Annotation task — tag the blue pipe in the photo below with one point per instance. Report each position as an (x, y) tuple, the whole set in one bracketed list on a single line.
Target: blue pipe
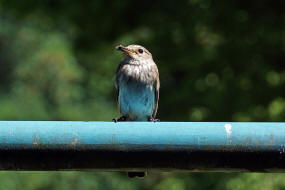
[(189, 146)]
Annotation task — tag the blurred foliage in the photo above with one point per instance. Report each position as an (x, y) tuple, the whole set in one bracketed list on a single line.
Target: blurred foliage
[(218, 61)]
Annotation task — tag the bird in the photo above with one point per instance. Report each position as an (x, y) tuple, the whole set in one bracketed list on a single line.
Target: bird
[(137, 87)]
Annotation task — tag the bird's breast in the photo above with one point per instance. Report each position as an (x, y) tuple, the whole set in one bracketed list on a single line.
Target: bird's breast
[(135, 83), (142, 73)]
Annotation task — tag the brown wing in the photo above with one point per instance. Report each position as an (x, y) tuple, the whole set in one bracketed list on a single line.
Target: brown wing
[(117, 81), (156, 93)]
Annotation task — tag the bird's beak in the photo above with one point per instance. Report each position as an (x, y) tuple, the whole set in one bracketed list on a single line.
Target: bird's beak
[(126, 50)]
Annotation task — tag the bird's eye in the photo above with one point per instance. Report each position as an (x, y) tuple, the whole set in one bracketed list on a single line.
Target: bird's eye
[(140, 50)]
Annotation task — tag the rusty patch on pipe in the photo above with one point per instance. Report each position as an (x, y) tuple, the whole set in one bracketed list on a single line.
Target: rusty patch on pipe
[(74, 142)]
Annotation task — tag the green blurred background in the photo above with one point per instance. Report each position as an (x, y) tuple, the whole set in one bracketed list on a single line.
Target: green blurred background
[(218, 61)]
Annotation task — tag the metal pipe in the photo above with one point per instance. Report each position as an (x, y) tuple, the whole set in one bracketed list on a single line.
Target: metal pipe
[(163, 146)]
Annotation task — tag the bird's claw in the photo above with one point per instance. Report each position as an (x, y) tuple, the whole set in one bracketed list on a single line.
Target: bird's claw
[(122, 118), (153, 120)]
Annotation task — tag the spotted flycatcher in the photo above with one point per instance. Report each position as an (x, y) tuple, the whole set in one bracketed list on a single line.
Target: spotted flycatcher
[(137, 85)]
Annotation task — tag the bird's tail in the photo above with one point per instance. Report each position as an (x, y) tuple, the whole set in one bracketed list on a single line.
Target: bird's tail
[(137, 174)]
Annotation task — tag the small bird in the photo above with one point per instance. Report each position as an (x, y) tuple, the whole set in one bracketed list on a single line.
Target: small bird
[(137, 85)]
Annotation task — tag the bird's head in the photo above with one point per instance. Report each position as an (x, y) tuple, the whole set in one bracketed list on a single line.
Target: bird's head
[(135, 52)]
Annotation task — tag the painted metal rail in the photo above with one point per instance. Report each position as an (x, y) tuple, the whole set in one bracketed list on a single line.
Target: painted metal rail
[(126, 146)]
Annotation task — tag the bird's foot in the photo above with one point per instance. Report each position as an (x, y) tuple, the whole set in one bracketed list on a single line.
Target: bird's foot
[(153, 120), (122, 118)]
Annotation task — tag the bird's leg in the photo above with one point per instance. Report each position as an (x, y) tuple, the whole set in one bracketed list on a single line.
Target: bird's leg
[(153, 119), (122, 118)]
